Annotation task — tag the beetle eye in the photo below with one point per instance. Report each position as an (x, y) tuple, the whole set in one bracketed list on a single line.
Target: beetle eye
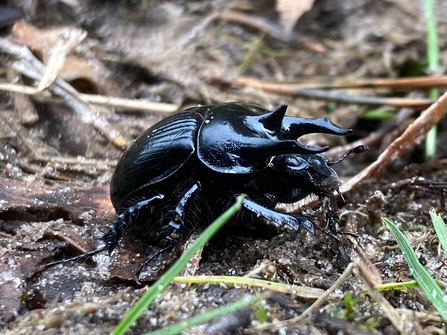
[(296, 163)]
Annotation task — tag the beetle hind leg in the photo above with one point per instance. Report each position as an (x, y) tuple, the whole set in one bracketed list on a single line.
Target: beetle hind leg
[(150, 259), (126, 220), (85, 255), (111, 238)]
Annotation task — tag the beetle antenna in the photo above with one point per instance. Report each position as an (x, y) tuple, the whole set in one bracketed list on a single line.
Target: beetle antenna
[(341, 195), (357, 150)]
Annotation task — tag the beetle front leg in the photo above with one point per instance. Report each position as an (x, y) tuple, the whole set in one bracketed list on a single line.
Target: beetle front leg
[(292, 220)]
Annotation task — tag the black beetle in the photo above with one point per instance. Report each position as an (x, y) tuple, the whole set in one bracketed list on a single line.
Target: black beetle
[(187, 169)]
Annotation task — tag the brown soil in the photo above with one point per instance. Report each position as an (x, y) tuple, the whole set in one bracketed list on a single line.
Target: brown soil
[(56, 160)]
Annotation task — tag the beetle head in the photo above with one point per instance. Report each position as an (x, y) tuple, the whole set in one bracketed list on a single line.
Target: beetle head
[(308, 168), (315, 169)]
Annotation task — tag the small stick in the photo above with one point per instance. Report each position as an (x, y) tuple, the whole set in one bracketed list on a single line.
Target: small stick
[(30, 66), (74, 161), (332, 83), (312, 308), (387, 308), (412, 135), (126, 104), (68, 39)]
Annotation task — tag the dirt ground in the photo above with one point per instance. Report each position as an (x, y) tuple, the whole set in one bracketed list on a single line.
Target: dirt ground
[(58, 151)]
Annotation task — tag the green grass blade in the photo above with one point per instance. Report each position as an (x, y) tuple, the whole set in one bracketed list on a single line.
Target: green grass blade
[(432, 36), (431, 289), (159, 286), (440, 228), (403, 286), (177, 328), (433, 64), (378, 114)]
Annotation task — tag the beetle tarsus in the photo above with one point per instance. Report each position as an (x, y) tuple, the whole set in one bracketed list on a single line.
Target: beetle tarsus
[(149, 259), (115, 232), (333, 235), (85, 255)]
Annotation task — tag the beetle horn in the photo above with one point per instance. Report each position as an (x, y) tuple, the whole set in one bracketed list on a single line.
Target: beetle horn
[(293, 127), (265, 148), (273, 120)]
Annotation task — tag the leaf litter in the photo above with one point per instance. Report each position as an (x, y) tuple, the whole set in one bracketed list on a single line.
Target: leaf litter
[(56, 161)]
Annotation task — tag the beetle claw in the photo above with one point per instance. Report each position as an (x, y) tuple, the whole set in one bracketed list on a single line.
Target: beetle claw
[(306, 223), (149, 259)]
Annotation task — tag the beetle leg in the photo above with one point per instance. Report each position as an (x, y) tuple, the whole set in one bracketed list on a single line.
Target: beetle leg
[(148, 260), (125, 220), (116, 231), (179, 226), (293, 221), (333, 219), (178, 223), (75, 258)]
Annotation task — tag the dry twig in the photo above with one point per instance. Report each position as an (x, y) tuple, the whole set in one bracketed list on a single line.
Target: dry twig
[(312, 308), (30, 66), (68, 39), (413, 135), (271, 29), (387, 308), (331, 83), (124, 104)]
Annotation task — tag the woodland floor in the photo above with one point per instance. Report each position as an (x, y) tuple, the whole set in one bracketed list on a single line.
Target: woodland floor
[(58, 152)]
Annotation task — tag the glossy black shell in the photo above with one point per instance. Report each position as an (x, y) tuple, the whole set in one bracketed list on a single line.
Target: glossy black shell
[(231, 138), (186, 170), (157, 153)]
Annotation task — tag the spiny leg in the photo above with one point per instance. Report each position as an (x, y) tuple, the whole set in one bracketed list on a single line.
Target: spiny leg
[(174, 232), (292, 220), (125, 220), (332, 217), (116, 231)]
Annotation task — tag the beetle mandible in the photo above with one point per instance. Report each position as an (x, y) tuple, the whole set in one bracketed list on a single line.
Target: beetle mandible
[(187, 169)]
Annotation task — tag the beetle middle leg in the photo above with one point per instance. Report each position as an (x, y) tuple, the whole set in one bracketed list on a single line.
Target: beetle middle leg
[(178, 221), (292, 220)]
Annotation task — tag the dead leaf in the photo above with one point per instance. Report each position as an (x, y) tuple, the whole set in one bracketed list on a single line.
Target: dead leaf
[(68, 39), (11, 286), (28, 200), (291, 10), (45, 42)]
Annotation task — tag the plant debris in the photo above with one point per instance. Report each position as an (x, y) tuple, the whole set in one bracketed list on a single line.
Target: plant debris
[(79, 81)]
